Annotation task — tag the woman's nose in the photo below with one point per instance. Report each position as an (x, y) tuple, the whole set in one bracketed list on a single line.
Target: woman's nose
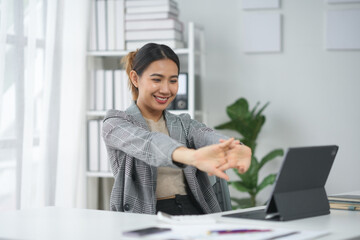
[(164, 88)]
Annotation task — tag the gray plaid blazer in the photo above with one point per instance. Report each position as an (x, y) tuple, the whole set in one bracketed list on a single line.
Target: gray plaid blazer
[(135, 153)]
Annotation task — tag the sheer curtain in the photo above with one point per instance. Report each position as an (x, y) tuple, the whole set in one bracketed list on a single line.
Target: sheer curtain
[(41, 104)]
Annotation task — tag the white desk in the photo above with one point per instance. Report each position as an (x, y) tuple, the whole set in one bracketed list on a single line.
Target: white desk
[(61, 223)]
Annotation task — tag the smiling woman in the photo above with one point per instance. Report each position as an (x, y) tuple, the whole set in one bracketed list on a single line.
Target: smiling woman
[(158, 86), (160, 160)]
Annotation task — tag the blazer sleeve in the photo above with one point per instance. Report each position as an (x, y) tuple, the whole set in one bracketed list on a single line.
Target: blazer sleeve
[(122, 132), (198, 134)]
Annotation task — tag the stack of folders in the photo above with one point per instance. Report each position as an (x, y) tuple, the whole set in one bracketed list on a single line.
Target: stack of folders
[(108, 89), (97, 154), (346, 202), (152, 21), (107, 29)]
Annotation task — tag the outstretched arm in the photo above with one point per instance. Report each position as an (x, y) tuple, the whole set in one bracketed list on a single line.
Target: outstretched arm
[(121, 132), (208, 158)]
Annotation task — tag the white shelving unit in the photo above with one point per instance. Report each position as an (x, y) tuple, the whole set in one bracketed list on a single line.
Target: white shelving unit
[(191, 61)]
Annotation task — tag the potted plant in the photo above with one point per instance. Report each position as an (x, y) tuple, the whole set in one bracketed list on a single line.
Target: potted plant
[(248, 124)]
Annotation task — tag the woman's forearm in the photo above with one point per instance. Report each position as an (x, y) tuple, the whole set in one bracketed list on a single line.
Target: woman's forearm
[(184, 155)]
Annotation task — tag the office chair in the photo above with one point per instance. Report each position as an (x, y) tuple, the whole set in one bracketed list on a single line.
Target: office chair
[(221, 190)]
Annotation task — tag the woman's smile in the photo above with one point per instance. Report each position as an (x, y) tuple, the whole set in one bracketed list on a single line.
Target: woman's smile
[(161, 100)]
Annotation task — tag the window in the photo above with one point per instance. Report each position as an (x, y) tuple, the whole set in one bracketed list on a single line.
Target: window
[(22, 53)]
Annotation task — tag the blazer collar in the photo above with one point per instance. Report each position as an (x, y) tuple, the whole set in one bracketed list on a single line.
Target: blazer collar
[(136, 113)]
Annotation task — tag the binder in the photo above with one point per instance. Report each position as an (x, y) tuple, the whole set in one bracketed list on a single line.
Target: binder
[(92, 30), (109, 88), (120, 25), (111, 13), (118, 85), (91, 90), (93, 146), (127, 97), (101, 25), (100, 90), (104, 161), (181, 100)]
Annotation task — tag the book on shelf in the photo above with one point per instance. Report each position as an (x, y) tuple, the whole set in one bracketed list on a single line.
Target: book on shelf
[(154, 24), (133, 45), (153, 9), (153, 34), (149, 16), (144, 3)]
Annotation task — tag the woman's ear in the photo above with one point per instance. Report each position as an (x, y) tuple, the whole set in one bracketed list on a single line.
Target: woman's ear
[(134, 78)]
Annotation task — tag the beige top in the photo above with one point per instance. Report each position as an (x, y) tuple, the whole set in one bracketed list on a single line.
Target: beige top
[(170, 181)]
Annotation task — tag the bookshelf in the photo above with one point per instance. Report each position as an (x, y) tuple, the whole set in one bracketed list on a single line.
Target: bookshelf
[(191, 61)]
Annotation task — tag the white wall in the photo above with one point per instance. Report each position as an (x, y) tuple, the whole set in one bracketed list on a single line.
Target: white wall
[(313, 93)]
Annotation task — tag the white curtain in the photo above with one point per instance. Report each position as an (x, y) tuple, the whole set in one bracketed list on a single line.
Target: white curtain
[(70, 188), (42, 92)]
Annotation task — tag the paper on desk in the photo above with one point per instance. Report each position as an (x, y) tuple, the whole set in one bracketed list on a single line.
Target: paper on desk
[(199, 232)]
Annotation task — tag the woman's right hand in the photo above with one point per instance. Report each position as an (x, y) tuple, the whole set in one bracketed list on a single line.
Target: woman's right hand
[(207, 159)]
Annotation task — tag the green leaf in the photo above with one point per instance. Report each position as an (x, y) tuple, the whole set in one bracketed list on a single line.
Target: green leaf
[(254, 110), (240, 186), (262, 109), (229, 125), (239, 109), (270, 179), (253, 171), (270, 156)]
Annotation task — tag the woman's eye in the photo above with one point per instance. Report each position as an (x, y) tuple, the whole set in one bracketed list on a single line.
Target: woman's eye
[(174, 81), (156, 80)]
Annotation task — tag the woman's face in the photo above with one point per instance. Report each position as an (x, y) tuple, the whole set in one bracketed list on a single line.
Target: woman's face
[(157, 87)]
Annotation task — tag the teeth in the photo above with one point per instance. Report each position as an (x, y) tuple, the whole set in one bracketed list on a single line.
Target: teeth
[(162, 99)]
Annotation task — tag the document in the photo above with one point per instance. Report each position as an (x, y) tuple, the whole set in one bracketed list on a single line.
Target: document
[(231, 231)]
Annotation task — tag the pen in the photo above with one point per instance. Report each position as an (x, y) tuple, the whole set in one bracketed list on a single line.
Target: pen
[(238, 231)]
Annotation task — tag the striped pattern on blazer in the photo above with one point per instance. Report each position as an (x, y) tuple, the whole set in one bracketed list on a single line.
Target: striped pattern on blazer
[(135, 153)]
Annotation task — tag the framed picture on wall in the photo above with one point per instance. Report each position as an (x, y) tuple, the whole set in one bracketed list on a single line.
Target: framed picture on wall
[(261, 32)]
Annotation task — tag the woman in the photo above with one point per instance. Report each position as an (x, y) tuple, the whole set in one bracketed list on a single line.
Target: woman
[(160, 160)]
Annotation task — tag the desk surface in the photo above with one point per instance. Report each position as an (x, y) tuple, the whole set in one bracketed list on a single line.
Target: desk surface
[(63, 223)]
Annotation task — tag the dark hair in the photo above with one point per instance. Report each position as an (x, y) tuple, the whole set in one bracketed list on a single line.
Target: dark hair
[(140, 59)]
